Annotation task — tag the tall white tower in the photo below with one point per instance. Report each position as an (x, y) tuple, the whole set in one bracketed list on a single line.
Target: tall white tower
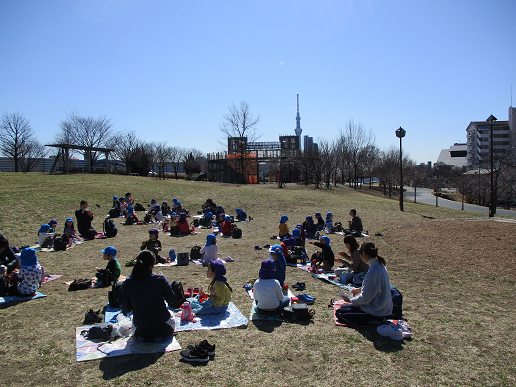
[(298, 124)]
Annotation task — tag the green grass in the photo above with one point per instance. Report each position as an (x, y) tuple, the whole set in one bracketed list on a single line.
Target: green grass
[(449, 304)]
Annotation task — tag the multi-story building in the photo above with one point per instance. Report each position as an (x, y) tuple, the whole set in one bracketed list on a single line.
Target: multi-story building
[(479, 140)]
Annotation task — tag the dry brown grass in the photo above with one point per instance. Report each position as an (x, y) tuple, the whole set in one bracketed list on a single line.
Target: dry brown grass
[(456, 275)]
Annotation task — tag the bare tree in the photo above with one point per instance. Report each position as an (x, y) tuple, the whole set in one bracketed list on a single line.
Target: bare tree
[(328, 159), (125, 148), (356, 139), (35, 152), (240, 127), (176, 158), (162, 158), (371, 158), (87, 132), (17, 139)]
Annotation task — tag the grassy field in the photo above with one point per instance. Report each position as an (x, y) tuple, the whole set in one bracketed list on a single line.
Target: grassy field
[(456, 271)]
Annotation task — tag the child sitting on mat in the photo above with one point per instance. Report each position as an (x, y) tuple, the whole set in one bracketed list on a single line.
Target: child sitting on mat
[(267, 291), (210, 249), (69, 230), (241, 215), (113, 266), (30, 275), (276, 254), (283, 228), (226, 226), (219, 292), (153, 244), (325, 258), (45, 236)]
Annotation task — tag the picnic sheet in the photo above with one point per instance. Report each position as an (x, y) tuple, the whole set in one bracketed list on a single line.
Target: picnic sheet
[(255, 316), (233, 318), (96, 349), (51, 249), (338, 303), (6, 300), (329, 277), (304, 267), (251, 294), (51, 277)]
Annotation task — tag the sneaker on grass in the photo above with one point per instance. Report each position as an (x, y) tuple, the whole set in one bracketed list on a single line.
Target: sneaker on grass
[(390, 330), (196, 354), (205, 346)]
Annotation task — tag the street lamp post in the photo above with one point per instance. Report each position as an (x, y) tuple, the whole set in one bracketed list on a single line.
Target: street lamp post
[(492, 205), (400, 133)]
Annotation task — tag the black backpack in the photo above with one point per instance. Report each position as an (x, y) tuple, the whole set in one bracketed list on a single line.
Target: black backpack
[(139, 207), (237, 233), (80, 284), (177, 287), (114, 295), (110, 229), (195, 253), (397, 303), (147, 219), (196, 222), (61, 242)]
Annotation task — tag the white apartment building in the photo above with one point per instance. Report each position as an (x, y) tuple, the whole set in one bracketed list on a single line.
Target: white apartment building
[(479, 140)]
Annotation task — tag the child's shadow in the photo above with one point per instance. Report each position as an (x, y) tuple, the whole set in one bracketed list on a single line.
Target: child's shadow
[(115, 367)]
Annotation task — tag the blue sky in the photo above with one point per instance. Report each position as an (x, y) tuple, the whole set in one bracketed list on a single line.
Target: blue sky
[(169, 69)]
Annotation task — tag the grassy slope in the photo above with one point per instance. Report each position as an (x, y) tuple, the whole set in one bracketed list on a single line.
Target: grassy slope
[(37, 342)]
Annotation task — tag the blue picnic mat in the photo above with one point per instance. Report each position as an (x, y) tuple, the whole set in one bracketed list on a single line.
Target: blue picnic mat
[(254, 315), (329, 277), (5, 300), (233, 318)]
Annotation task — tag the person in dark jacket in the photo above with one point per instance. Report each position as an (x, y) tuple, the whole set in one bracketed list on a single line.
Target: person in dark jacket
[(325, 259), (7, 257), (84, 219), (144, 293)]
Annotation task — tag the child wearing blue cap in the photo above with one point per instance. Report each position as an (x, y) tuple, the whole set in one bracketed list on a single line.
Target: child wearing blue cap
[(241, 215), (69, 230), (113, 267), (45, 236), (328, 225), (276, 254), (31, 274), (227, 226), (210, 249), (206, 220), (325, 259), (283, 228)]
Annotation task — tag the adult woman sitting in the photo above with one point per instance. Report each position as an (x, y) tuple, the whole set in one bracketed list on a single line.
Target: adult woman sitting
[(357, 265), (267, 291), (84, 219), (144, 293), (373, 302)]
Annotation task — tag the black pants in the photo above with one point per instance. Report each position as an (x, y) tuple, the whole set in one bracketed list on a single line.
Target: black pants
[(353, 315), (162, 330)]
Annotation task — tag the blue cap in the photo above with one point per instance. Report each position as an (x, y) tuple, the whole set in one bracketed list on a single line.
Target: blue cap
[(154, 230), (44, 228), (110, 250), (326, 240), (115, 197), (28, 257), (283, 219), (69, 220)]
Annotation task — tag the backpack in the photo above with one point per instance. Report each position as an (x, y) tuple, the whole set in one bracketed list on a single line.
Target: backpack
[(114, 213), (92, 317), (80, 284), (195, 253), (114, 295), (110, 229), (61, 242), (196, 222), (90, 233), (147, 219), (237, 233), (177, 287), (397, 303), (98, 332), (139, 207)]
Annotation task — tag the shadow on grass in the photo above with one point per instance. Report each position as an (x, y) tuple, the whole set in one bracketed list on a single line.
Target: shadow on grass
[(268, 326), (117, 366), (381, 343)]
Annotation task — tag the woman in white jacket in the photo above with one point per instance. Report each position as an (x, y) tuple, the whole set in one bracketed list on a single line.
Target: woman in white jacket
[(373, 301)]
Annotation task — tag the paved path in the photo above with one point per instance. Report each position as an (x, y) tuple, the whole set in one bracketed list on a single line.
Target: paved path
[(424, 195)]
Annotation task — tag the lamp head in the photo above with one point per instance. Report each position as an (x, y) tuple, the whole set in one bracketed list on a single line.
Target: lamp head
[(491, 119), (400, 133)]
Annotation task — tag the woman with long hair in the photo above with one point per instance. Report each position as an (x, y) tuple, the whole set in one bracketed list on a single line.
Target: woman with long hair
[(144, 293)]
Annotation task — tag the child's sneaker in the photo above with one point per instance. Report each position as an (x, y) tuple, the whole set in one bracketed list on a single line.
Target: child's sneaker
[(390, 330), (209, 348), (196, 354)]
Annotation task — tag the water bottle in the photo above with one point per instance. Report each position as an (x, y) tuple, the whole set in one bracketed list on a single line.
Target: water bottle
[(303, 259), (172, 255)]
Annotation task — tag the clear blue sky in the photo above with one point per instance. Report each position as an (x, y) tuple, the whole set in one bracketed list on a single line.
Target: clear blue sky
[(169, 69)]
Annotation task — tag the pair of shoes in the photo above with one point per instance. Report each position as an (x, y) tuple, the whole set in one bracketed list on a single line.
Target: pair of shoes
[(206, 346), (390, 330), (257, 248), (306, 298), (229, 259), (248, 286), (266, 246), (299, 286), (129, 262), (189, 292), (196, 354), (274, 237)]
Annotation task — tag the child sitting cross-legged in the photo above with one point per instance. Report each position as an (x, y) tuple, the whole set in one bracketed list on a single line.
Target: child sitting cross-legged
[(210, 249), (45, 236), (154, 245), (113, 266), (267, 291), (219, 292), (30, 275)]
